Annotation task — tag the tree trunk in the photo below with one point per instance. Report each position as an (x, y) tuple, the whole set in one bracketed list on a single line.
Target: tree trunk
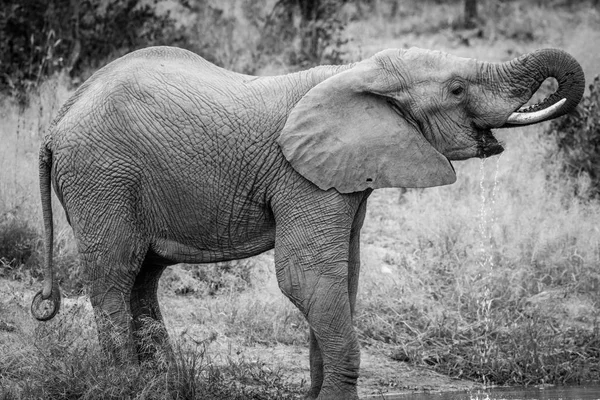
[(470, 14), (309, 40), (75, 50)]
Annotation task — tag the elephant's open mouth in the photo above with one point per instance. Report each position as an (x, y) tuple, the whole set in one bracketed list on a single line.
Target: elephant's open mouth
[(487, 145)]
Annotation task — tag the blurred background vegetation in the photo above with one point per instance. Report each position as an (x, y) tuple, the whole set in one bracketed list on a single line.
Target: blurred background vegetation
[(42, 37), (494, 278)]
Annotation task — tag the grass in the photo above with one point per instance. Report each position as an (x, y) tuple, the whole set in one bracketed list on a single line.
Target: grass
[(65, 362), (257, 314), (493, 279)]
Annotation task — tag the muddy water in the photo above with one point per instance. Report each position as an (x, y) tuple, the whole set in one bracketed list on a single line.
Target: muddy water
[(583, 392)]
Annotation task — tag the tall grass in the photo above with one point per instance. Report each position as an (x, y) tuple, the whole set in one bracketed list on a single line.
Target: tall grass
[(502, 291)]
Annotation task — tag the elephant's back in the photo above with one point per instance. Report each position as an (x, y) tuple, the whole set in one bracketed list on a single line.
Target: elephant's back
[(173, 61), (156, 84), (166, 111), (153, 69)]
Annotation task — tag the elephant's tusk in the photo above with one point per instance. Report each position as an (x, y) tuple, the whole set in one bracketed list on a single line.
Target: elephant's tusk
[(526, 118)]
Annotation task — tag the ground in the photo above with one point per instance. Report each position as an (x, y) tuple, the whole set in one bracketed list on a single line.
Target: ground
[(380, 373)]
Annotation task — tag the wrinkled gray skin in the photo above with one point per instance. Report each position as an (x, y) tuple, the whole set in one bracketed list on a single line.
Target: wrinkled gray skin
[(163, 158)]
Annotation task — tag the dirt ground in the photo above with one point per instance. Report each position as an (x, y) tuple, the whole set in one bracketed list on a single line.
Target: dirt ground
[(379, 373)]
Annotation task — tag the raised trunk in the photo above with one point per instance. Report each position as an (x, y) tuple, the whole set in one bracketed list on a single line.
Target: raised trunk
[(525, 74)]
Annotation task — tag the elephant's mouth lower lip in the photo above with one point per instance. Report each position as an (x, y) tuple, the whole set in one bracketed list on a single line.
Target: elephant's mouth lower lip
[(487, 145)]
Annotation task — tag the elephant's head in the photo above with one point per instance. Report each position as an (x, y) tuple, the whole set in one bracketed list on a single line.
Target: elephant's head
[(397, 118)]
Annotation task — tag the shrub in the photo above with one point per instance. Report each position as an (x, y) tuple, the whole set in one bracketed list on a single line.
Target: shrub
[(17, 242), (317, 37), (21, 253), (40, 38)]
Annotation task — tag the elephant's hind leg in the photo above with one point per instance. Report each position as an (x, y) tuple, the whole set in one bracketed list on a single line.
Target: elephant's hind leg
[(149, 333), (111, 263)]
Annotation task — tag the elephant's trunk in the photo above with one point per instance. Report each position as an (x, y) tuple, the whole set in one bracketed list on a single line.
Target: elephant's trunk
[(525, 74)]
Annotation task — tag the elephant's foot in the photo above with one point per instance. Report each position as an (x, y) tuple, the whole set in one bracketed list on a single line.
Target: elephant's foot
[(335, 395), (335, 389), (312, 394)]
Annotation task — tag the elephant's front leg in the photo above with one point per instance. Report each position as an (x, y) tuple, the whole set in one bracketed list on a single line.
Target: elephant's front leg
[(324, 301), (312, 269), (316, 358)]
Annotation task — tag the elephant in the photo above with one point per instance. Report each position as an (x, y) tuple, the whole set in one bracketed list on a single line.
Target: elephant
[(161, 157)]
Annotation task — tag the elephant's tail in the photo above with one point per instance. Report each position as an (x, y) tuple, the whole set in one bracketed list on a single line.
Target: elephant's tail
[(46, 302)]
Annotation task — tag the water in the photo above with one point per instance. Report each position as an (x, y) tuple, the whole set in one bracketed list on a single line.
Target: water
[(487, 221), (487, 214), (583, 392)]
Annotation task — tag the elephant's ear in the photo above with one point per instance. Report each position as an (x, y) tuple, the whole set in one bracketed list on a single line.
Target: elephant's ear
[(345, 133)]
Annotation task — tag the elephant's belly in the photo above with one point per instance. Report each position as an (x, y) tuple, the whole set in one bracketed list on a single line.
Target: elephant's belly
[(214, 249), (203, 222)]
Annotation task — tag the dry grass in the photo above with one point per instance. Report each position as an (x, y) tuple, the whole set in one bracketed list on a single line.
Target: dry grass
[(62, 360), (491, 279)]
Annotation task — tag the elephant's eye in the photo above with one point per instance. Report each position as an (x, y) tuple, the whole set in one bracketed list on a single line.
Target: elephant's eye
[(457, 90)]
